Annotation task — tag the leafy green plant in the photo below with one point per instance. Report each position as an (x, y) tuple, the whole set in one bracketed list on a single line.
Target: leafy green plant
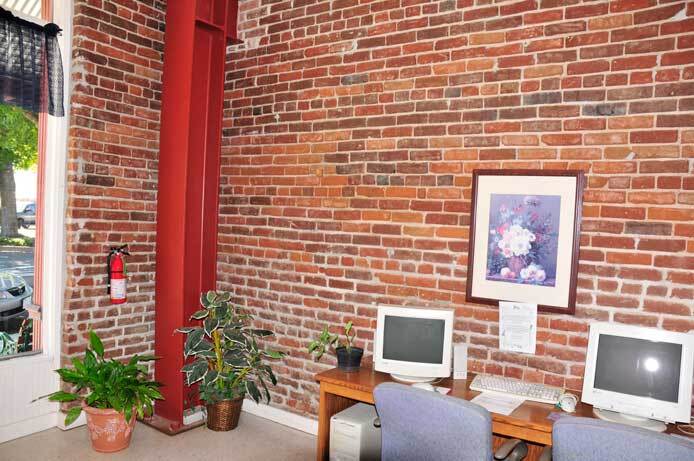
[(26, 336), (227, 361), (19, 134), (18, 150), (326, 340), (8, 346), (123, 387), (17, 241)]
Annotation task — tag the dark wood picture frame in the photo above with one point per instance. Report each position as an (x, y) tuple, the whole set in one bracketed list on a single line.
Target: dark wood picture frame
[(578, 212)]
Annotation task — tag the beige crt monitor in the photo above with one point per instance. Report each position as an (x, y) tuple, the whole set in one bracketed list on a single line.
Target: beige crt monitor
[(639, 376), (414, 345)]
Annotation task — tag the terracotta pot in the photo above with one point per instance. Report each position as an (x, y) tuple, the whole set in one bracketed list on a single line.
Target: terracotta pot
[(108, 429), (224, 415)]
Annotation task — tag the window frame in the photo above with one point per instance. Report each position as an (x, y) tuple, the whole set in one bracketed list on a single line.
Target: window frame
[(34, 416), (46, 304), (35, 303)]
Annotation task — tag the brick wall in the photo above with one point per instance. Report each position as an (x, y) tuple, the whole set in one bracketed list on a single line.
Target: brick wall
[(352, 128), (112, 170)]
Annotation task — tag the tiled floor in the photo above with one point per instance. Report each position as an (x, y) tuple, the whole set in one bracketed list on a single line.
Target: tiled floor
[(254, 439)]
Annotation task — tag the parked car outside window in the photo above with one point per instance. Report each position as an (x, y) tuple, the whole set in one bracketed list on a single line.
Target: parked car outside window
[(27, 217), (14, 295)]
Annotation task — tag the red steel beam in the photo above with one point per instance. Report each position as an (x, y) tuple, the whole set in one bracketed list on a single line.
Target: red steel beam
[(187, 200)]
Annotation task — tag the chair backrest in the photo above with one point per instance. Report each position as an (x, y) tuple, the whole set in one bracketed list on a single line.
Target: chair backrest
[(419, 425), (588, 439)]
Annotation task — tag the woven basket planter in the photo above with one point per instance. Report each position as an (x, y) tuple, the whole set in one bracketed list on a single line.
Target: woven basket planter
[(224, 415)]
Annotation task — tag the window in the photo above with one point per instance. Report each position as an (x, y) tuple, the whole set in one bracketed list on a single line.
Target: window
[(21, 143)]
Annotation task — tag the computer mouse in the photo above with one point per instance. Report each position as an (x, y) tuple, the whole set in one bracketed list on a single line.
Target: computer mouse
[(567, 402), (424, 386)]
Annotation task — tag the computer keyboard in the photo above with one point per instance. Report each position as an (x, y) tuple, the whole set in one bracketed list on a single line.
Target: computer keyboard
[(510, 386)]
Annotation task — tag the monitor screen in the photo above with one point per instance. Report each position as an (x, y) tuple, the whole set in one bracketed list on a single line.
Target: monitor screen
[(638, 367), (413, 339)]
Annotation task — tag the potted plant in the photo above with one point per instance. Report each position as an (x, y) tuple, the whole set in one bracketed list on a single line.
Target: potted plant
[(348, 356), (8, 346), (227, 361), (116, 393)]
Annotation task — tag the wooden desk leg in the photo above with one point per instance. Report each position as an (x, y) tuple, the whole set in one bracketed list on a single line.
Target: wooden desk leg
[(324, 425), (329, 404)]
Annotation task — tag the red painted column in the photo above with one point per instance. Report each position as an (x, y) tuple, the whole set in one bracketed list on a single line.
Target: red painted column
[(187, 199)]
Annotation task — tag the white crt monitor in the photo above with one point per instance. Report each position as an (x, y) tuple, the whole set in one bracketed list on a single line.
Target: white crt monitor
[(414, 345), (639, 376)]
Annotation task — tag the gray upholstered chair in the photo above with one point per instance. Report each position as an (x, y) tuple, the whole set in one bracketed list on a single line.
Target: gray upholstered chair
[(588, 439), (419, 425)]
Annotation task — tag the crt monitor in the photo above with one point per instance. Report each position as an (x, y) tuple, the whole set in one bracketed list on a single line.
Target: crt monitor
[(639, 376), (414, 345)]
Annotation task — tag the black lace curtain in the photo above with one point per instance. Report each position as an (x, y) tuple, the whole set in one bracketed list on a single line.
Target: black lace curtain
[(31, 69)]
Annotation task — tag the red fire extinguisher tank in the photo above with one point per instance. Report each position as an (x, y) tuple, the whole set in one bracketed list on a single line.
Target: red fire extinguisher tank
[(116, 275)]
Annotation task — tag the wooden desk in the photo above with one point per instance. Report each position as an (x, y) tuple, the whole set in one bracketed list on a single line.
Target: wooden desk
[(340, 390)]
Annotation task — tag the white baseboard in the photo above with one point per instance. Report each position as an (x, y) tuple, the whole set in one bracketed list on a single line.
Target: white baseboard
[(277, 415), (28, 427), (284, 417)]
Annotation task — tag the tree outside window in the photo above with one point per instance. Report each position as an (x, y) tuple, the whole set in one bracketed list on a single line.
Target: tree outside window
[(18, 151), (18, 159)]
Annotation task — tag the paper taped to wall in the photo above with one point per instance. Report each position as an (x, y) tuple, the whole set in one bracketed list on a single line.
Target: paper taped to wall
[(517, 327)]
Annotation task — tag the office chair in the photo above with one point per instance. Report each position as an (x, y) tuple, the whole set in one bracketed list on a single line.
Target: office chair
[(588, 439), (421, 425)]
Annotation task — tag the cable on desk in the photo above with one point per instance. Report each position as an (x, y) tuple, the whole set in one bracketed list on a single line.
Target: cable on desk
[(686, 428)]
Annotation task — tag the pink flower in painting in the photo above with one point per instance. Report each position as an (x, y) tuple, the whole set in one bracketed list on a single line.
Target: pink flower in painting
[(516, 241), (507, 273), (533, 273), (540, 276)]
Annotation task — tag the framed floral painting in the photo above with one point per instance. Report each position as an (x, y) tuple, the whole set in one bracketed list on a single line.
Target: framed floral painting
[(524, 237)]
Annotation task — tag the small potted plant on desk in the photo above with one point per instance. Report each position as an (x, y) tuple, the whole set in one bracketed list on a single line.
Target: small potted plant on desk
[(117, 392), (228, 361), (348, 356)]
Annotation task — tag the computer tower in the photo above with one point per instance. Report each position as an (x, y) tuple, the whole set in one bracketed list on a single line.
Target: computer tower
[(353, 435)]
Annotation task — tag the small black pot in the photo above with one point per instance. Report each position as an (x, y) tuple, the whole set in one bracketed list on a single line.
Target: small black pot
[(349, 360)]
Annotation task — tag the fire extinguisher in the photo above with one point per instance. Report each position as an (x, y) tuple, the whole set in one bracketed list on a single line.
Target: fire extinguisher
[(116, 274)]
